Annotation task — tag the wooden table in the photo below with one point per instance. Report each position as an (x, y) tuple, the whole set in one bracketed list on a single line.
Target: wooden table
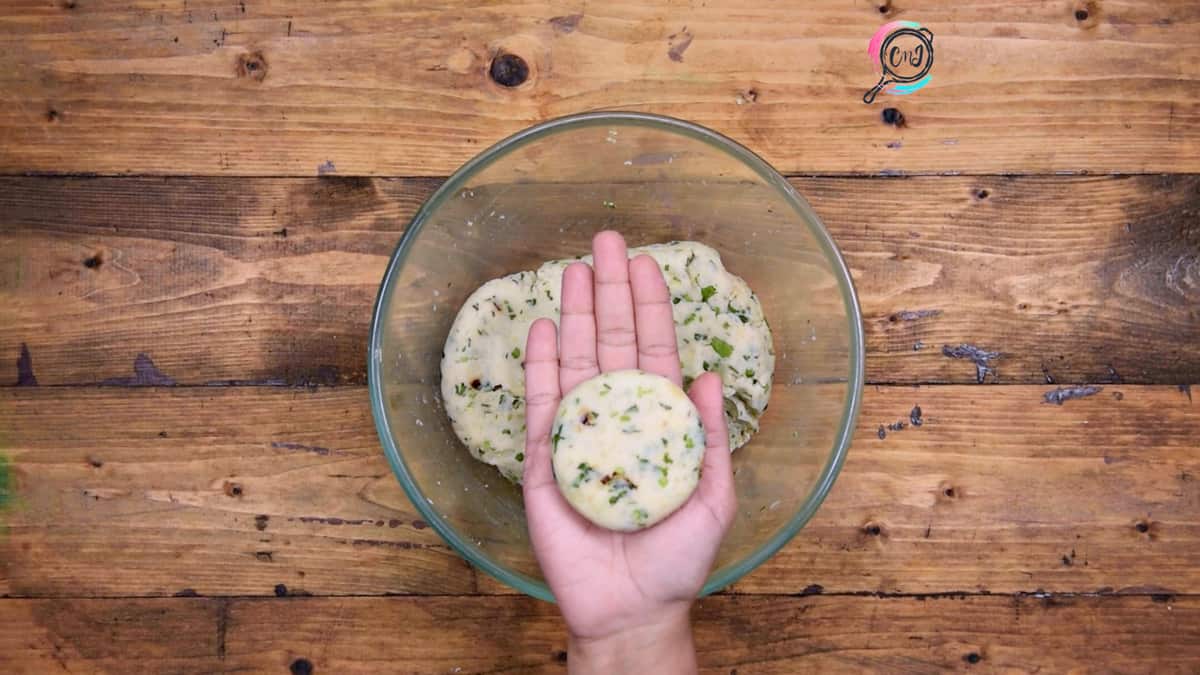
[(199, 198)]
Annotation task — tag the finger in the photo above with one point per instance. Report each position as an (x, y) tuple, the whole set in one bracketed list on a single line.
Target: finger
[(577, 361), (653, 320), (616, 341), (716, 478), (541, 400)]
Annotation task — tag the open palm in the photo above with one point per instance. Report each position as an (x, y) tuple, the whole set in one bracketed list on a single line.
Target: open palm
[(606, 581)]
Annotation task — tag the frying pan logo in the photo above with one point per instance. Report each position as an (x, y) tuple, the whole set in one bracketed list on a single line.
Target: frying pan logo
[(902, 53)]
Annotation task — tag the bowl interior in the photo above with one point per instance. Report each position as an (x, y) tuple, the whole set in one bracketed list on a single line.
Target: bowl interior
[(541, 195)]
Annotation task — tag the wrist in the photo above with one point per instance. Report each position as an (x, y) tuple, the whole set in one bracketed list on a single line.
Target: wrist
[(662, 643)]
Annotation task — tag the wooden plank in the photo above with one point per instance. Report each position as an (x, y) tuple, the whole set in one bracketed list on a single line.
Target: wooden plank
[(283, 88), (233, 491), (475, 635), (1070, 278)]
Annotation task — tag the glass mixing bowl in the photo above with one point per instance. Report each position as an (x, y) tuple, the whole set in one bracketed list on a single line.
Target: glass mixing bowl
[(541, 195)]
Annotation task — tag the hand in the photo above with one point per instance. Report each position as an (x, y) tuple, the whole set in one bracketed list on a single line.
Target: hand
[(621, 593)]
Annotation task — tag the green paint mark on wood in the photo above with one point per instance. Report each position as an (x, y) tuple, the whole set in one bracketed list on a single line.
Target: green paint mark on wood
[(5, 490)]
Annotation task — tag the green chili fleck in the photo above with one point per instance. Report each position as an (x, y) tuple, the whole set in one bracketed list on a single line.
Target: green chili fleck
[(721, 347), (707, 292)]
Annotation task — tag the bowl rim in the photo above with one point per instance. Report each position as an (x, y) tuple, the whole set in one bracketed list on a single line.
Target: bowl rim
[(854, 382)]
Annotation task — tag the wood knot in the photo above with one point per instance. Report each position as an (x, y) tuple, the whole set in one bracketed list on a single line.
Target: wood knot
[(233, 489), (972, 658), (509, 70), (301, 667), (872, 529), (893, 116), (949, 491), (982, 193), (252, 65), (52, 115), (1085, 12), (885, 7)]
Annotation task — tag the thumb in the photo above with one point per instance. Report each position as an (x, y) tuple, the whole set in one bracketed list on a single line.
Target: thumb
[(716, 479)]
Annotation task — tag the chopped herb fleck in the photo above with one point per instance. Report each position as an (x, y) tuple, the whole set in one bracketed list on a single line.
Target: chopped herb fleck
[(607, 388), (687, 442), (506, 432), (520, 457), (641, 515), (589, 418), (749, 372), (531, 301), (624, 418), (642, 391), (586, 473), (675, 300), (667, 457), (460, 388), (690, 318), (691, 258), (516, 352), (557, 437), (631, 409), (664, 406), (721, 347), (707, 292)]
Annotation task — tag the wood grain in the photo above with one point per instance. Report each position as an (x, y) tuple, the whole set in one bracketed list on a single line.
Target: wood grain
[(286, 88), (1074, 279), (477, 635), (234, 491)]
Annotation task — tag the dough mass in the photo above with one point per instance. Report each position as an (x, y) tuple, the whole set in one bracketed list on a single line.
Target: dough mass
[(719, 327)]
